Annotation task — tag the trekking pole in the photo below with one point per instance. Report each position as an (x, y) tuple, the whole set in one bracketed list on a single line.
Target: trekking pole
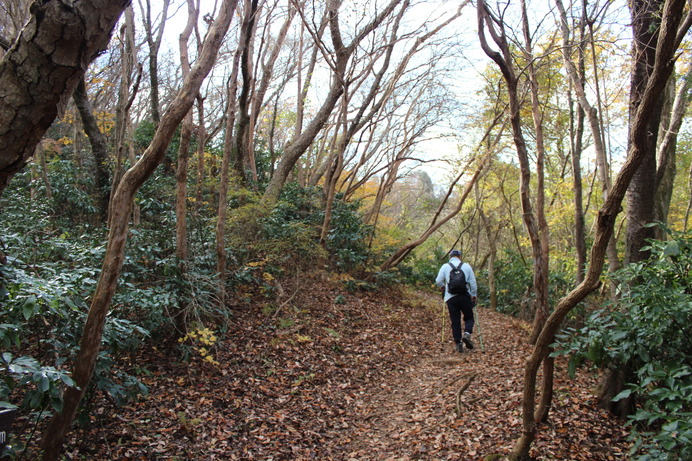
[(478, 326), (442, 317)]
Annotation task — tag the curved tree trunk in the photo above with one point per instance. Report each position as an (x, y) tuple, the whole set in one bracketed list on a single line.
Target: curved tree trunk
[(665, 53), (123, 197)]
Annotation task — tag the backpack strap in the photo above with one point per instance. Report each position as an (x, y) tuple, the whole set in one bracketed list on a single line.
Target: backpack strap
[(456, 268)]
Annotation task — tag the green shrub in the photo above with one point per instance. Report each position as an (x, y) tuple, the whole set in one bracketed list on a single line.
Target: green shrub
[(422, 271), (648, 331), (346, 240), (514, 282)]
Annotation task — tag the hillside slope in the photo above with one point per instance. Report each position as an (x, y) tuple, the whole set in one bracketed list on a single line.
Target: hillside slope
[(333, 375)]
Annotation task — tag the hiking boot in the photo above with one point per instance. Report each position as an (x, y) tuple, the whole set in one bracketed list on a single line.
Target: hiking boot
[(467, 339), (459, 348)]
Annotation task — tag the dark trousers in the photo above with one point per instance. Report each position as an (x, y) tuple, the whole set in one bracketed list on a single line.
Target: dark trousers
[(458, 305)]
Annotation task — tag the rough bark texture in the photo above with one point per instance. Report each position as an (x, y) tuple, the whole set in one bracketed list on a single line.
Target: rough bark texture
[(244, 135), (40, 71), (642, 189), (123, 197)]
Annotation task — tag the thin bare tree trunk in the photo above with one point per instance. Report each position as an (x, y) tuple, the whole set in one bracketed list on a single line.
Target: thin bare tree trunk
[(579, 221), (343, 54), (59, 424), (332, 178), (181, 240), (595, 122), (402, 252), (99, 147), (201, 161), (126, 96), (41, 154), (541, 247), (154, 36), (228, 146), (666, 151), (491, 238), (576, 147)]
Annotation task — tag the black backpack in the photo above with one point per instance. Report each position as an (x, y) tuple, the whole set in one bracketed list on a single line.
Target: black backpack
[(457, 280)]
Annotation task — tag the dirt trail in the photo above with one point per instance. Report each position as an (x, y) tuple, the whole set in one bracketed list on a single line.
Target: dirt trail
[(416, 414), (335, 375), (451, 406)]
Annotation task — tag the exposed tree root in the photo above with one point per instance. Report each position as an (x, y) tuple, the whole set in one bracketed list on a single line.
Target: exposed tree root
[(461, 391)]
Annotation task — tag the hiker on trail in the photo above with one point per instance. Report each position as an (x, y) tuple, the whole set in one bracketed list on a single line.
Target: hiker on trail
[(459, 287)]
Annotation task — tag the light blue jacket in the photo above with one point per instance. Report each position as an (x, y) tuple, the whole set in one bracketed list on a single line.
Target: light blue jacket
[(446, 269)]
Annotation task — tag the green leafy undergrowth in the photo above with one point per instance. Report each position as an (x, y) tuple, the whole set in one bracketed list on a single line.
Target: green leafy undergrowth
[(648, 331)]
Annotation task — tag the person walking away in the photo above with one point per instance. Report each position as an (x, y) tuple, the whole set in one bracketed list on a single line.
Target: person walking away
[(457, 280)]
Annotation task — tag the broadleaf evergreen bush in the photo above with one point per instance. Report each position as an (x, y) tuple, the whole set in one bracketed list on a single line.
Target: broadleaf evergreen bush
[(649, 332)]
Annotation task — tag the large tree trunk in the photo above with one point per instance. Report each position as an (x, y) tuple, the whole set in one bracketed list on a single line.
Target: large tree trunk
[(123, 197), (39, 73), (642, 190)]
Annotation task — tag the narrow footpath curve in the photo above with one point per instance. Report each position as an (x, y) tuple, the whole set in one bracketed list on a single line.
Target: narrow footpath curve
[(451, 406)]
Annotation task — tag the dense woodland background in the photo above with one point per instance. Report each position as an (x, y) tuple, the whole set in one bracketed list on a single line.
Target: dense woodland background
[(211, 155)]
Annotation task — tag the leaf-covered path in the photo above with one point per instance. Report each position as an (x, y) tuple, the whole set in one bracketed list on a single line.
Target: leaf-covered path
[(335, 376)]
